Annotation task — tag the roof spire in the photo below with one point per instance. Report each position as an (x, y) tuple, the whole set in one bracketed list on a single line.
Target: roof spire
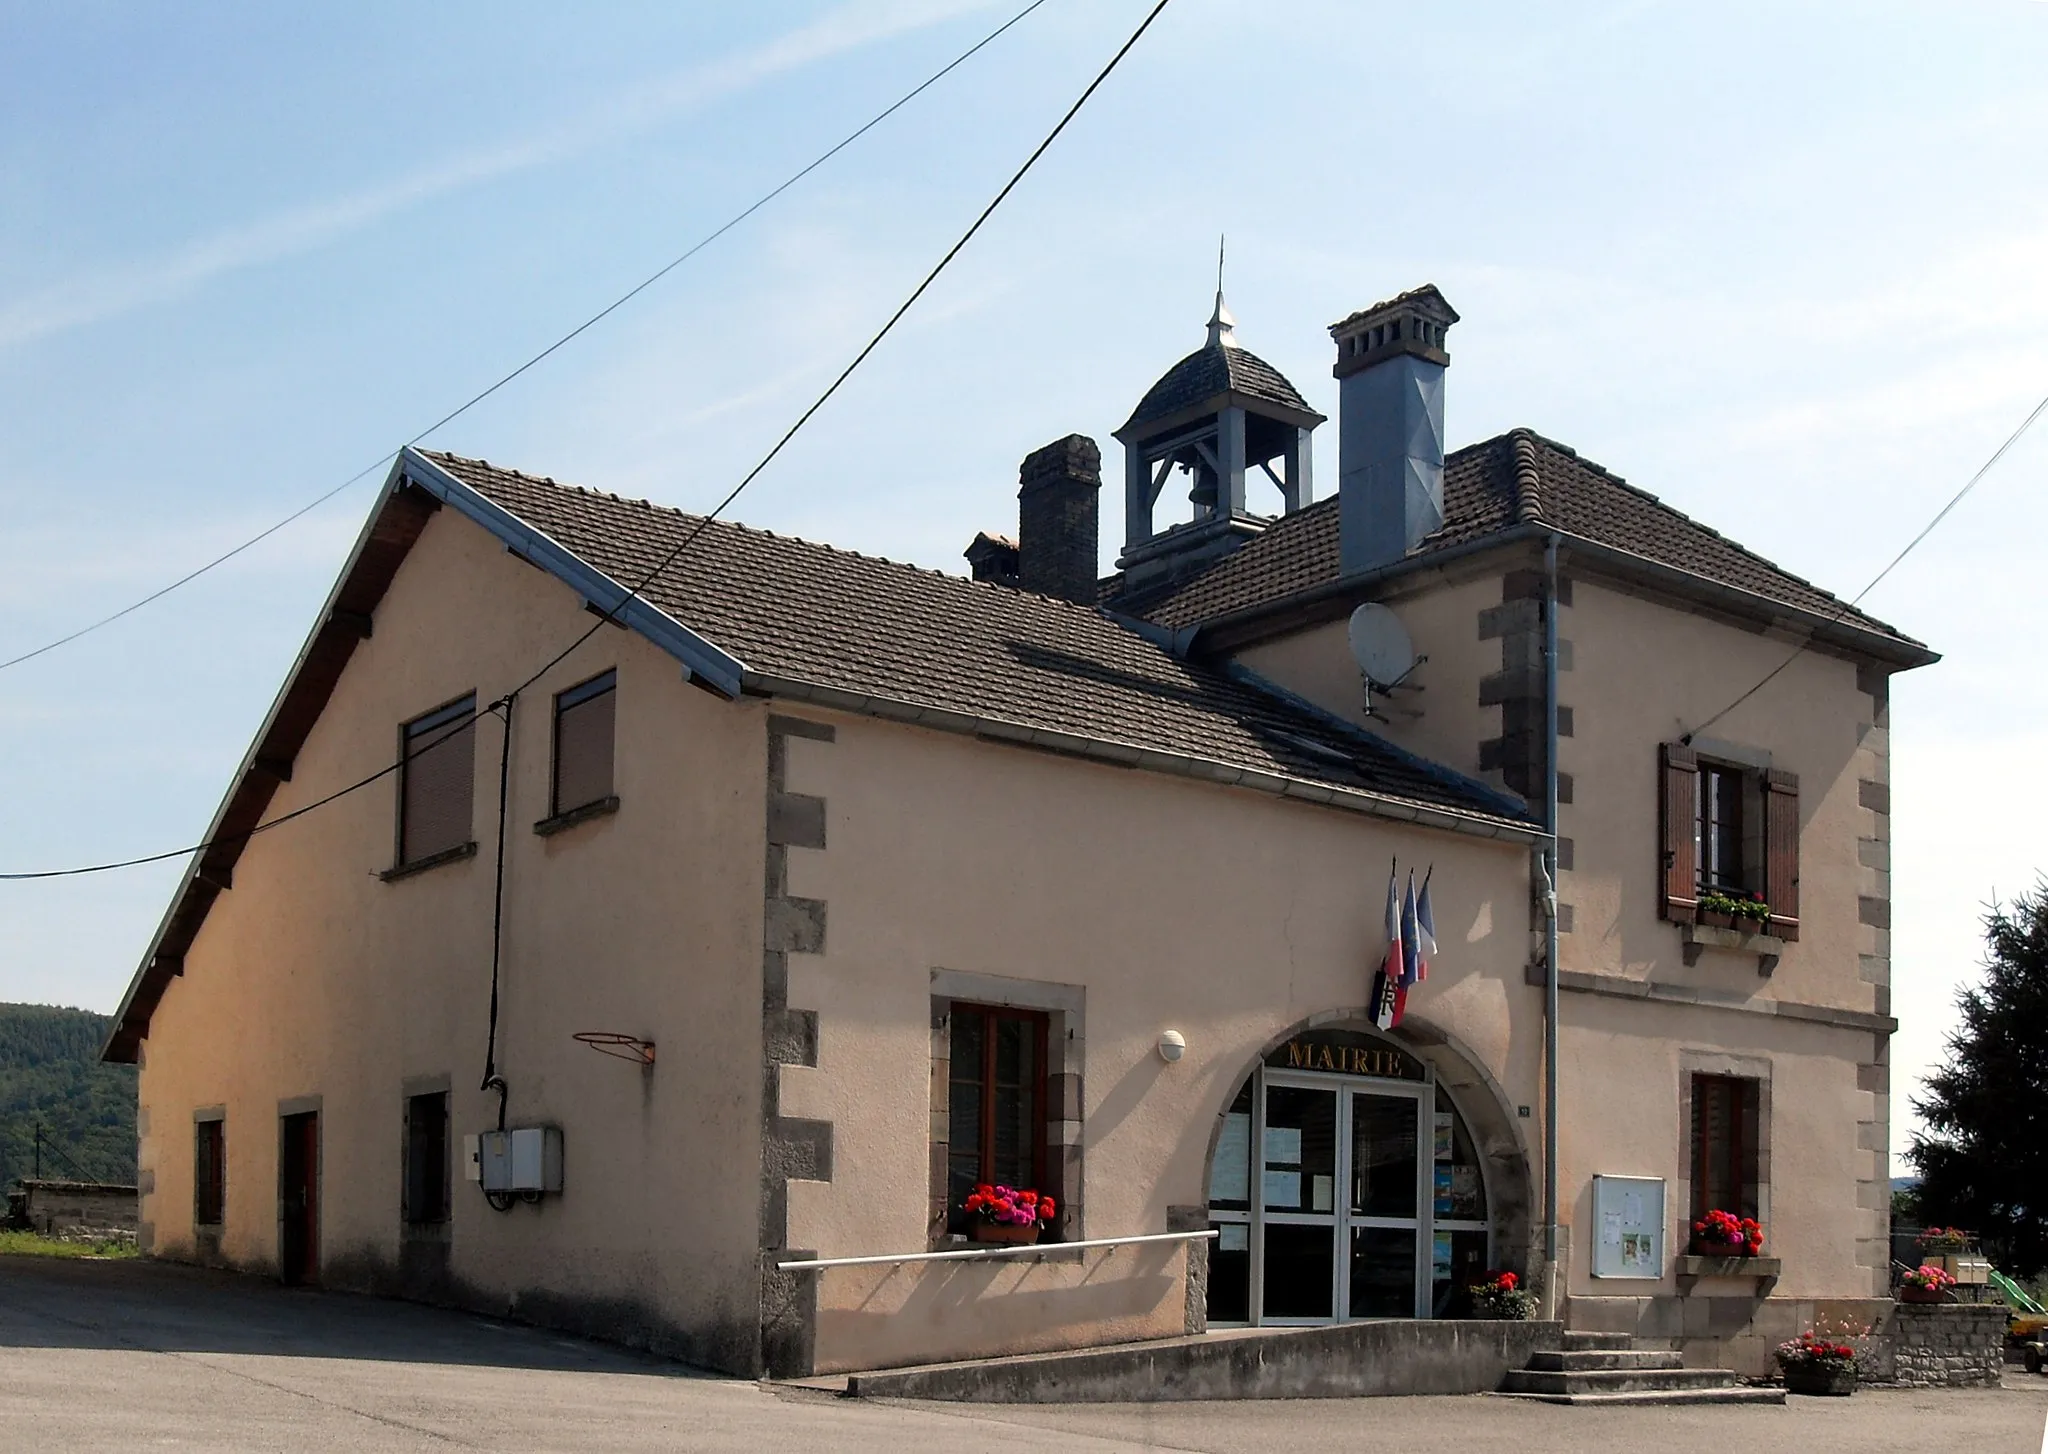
[(1221, 324)]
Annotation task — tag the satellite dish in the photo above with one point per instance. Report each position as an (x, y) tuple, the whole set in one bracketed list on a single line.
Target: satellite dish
[(1380, 645)]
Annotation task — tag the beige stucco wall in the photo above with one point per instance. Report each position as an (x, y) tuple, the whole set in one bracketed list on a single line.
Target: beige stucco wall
[(1226, 915), (1443, 721), (1644, 674), (312, 977), (1639, 673)]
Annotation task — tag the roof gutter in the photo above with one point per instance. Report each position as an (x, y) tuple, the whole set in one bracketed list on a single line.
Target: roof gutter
[(1125, 754), (1238, 627)]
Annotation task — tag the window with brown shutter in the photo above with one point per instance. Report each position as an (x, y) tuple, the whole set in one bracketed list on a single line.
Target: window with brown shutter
[(209, 1172), (1730, 831), (436, 781), (584, 720), (1781, 851), (1725, 1137), (1678, 819), (996, 1100)]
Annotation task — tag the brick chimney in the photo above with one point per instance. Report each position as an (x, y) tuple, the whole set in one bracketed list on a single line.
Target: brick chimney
[(1390, 427), (1057, 526)]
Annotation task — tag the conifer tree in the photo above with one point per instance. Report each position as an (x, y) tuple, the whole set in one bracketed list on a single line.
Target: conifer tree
[(1983, 1155)]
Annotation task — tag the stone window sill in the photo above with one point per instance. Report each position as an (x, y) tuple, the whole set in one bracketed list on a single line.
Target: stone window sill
[(1764, 1270), (602, 808), (1699, 938), (433, 860)]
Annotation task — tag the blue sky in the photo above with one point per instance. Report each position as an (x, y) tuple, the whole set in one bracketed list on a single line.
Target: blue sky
[(1779, 264)]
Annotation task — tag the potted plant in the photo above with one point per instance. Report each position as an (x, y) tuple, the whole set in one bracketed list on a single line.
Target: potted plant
[(1006, 1214), (1734, 911), (1818, 1362), (1925, 1284), (1723, 1234), (1502, 1296), (1943, 1239)]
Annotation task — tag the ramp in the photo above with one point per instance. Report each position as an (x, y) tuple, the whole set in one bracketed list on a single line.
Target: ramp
[(1348, 1360)]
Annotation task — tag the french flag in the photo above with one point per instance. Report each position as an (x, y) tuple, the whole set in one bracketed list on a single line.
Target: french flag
[(1388, 991)]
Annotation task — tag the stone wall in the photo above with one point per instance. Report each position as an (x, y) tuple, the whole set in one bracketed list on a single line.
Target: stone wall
[(78, 1209), (1948, 1345)]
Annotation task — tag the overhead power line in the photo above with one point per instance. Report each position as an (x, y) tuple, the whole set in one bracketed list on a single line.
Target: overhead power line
[(598, 317), (703, 521), (1847, 606)]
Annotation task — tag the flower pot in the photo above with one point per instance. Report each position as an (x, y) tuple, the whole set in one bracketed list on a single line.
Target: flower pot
[(1715, 919), (1700, 1247), (1911, 1294), (1830, 1380), (1016, 1234)]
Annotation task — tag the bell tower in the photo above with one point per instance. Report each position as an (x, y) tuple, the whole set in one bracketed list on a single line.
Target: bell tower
[(1215, 416)]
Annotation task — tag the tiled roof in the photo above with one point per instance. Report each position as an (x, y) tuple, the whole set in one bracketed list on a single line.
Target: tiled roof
[(851, 623), (1209, 371), (1489, 487)]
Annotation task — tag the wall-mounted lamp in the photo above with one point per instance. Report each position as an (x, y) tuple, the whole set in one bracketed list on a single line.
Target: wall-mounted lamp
[(1172, 1046)]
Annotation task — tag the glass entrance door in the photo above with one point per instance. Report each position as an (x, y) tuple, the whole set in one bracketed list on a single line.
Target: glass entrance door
[(1298, 1194), (1341, 1198), (1385, 1204)]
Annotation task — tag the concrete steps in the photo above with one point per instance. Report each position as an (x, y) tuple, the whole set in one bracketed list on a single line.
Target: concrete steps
[(1595, 1369), (1600, 1360)]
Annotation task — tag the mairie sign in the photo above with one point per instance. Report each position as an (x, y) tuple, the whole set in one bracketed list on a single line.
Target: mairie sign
[(1345, 1052)]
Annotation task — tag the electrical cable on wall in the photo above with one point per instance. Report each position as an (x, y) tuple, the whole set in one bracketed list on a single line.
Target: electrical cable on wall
[(624, 298), (608, 616)]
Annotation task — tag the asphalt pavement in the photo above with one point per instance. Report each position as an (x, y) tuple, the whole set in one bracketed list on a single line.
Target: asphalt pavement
[(130, 1355)]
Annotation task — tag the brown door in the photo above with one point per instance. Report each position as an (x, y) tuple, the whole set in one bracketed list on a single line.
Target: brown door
[(298, 1199)]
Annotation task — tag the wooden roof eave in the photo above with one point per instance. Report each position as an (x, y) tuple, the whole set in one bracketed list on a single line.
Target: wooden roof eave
[(387, 537)]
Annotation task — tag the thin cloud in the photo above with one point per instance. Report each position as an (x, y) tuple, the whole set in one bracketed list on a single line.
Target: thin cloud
[(93, 297)]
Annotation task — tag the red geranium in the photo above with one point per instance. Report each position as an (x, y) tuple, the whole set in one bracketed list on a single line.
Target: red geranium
[(1726, 1231), (1007, 1205)]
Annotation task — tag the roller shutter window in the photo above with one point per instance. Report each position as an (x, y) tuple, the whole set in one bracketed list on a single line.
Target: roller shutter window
[(1678, 818), (437, 781), (1781, 851), (584, 720)]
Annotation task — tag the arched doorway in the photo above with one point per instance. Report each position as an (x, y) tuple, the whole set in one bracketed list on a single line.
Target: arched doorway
[(1346, 1181)]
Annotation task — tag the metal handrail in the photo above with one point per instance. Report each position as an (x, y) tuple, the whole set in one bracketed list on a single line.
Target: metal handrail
[(980, 1254)]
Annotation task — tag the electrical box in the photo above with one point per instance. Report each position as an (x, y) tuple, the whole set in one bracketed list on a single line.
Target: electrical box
[(494, 1160), (527, 1159), (537, 1158)]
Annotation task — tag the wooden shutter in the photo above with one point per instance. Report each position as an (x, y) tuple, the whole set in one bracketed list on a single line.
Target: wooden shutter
[(1678, 813), (439, 782), (584, 720), (1781, 851)]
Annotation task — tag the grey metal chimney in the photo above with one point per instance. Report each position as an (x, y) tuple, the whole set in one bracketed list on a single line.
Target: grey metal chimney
[(1390, 429), (1058, 526)]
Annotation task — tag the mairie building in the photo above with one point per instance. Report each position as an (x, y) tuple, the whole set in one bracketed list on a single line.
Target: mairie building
[(687, 993)]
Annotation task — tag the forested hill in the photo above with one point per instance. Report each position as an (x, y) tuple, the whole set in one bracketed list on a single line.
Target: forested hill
[(50, 1072)]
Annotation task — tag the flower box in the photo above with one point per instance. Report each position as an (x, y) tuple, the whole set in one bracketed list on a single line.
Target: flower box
[(1820, 1362), (1908, 1293), (1825, 1380), (1012, 1233)]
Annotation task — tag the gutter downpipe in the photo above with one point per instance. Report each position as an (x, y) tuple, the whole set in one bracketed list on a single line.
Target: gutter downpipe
[(1553, 1294)]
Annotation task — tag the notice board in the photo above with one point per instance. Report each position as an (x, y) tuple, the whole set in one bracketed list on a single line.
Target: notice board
[(1628, 1226)]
